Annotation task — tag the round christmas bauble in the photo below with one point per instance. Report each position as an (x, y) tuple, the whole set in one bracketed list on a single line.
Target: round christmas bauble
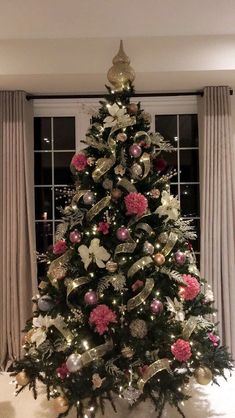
[(163, 237), (136, 170), (159, 259), (122, 137), (180, 258), (122, 234), (45, 303), (127, 352), (156, 307), (75, 236), (74, 363), (22, 379), (90, 297), (107, 184), (203, 375), (111, 266), (138, 328), (61, 405), (116, 194), (89, 198), (132, 108), (148, 248), (135, 150)]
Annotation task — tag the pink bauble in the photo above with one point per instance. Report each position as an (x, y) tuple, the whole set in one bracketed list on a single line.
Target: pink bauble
[(122, 233), (156, 307), (90, 298), (135, 150), (180, 258), (75, 236)]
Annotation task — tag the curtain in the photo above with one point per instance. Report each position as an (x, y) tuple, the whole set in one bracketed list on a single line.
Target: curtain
[(217, 171), (17, 246)]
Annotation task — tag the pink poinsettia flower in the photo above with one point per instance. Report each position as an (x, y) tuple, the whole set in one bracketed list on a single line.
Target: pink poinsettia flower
[(214, 339), (181, 350), (101, 317), (136, 204), (63, 371), (79, 161), (103, 227), (60, 247), (192, 288), (137, 285)]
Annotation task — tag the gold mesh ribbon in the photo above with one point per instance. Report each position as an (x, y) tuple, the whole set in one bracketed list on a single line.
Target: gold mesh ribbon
[(73, 284), (126, 184), (142, 296), (62, 328), (189, 327), (170, 244), (43, 285), (97, 208), (59, 267), (102, 166), (145, 227), (78, 196), (145, 160), (143, 136), (127, 247), (154, 368), (139, 264), (96, 352)]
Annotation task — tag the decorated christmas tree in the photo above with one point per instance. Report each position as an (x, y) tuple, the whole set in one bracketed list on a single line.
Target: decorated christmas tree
[(122, 310)]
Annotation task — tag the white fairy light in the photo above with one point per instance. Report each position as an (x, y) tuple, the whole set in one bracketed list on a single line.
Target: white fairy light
[(85, 344)]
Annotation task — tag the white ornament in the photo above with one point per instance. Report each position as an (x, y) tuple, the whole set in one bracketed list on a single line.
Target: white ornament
[(95, 252), (169, 206), (176, 308)]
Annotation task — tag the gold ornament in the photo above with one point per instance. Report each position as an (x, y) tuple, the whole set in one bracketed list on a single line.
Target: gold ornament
[(159, 259), (121, 73), (111, 266), (127, 352), (61, 404), (138, 328), (22, 379), (203, 375)]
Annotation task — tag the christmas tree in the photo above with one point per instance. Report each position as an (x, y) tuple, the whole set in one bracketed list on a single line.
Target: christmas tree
[(121, 311)]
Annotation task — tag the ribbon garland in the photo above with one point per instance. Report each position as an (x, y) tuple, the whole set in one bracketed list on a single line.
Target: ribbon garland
[(96, 352), (142, 135), (73, 284), (142, 296), (127, 247), (58, 268), (102, 166), (156, 367), (145, 160), (142, 262), (126, 184), (62, 328), (170, 244), (189, 327), (97, 208), (78, 196), (144, 227)]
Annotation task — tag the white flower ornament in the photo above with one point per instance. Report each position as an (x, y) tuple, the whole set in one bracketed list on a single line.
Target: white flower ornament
[(118, 116), (169, 206), (176, 308), (96, 253)]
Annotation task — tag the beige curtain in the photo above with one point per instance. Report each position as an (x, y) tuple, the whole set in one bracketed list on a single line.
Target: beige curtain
[(17, 246), (217, 160)]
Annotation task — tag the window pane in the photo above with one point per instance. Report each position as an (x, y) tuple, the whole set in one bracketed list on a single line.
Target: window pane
[(64, 133), (43, 202), (188, 130), (189, 171), (42, 133), (171, 158), (62, 167), (43, 236), (174, 189), (189, 199), (167, 126), (63, 197), (42, 167)]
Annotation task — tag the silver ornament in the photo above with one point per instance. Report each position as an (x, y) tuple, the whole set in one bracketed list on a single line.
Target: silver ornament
[(89, 198), (74, 363), (45, 303), (148, 248)]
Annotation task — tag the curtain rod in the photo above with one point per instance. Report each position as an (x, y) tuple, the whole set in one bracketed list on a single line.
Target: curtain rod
[(98, 96)]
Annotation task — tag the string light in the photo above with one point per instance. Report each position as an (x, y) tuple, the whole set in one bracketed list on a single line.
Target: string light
[(85, 344)]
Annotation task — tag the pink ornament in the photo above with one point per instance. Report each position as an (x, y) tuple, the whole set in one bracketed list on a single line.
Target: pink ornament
[(122, 233), (90, 298), (137, 285), (214, 339), (136, 204), (159, 164), (181, 350), (192, 288), (180, 258), (156, 307), (60, 247), (103, 227), (101, 316), (79, 161), (135, 150), (75, 236)]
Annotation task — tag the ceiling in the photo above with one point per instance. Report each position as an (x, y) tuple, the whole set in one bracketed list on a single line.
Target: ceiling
[(59, 46)]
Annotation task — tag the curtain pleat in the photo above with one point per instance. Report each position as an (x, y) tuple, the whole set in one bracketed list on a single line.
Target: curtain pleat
[(17, 250), (217, 174)]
